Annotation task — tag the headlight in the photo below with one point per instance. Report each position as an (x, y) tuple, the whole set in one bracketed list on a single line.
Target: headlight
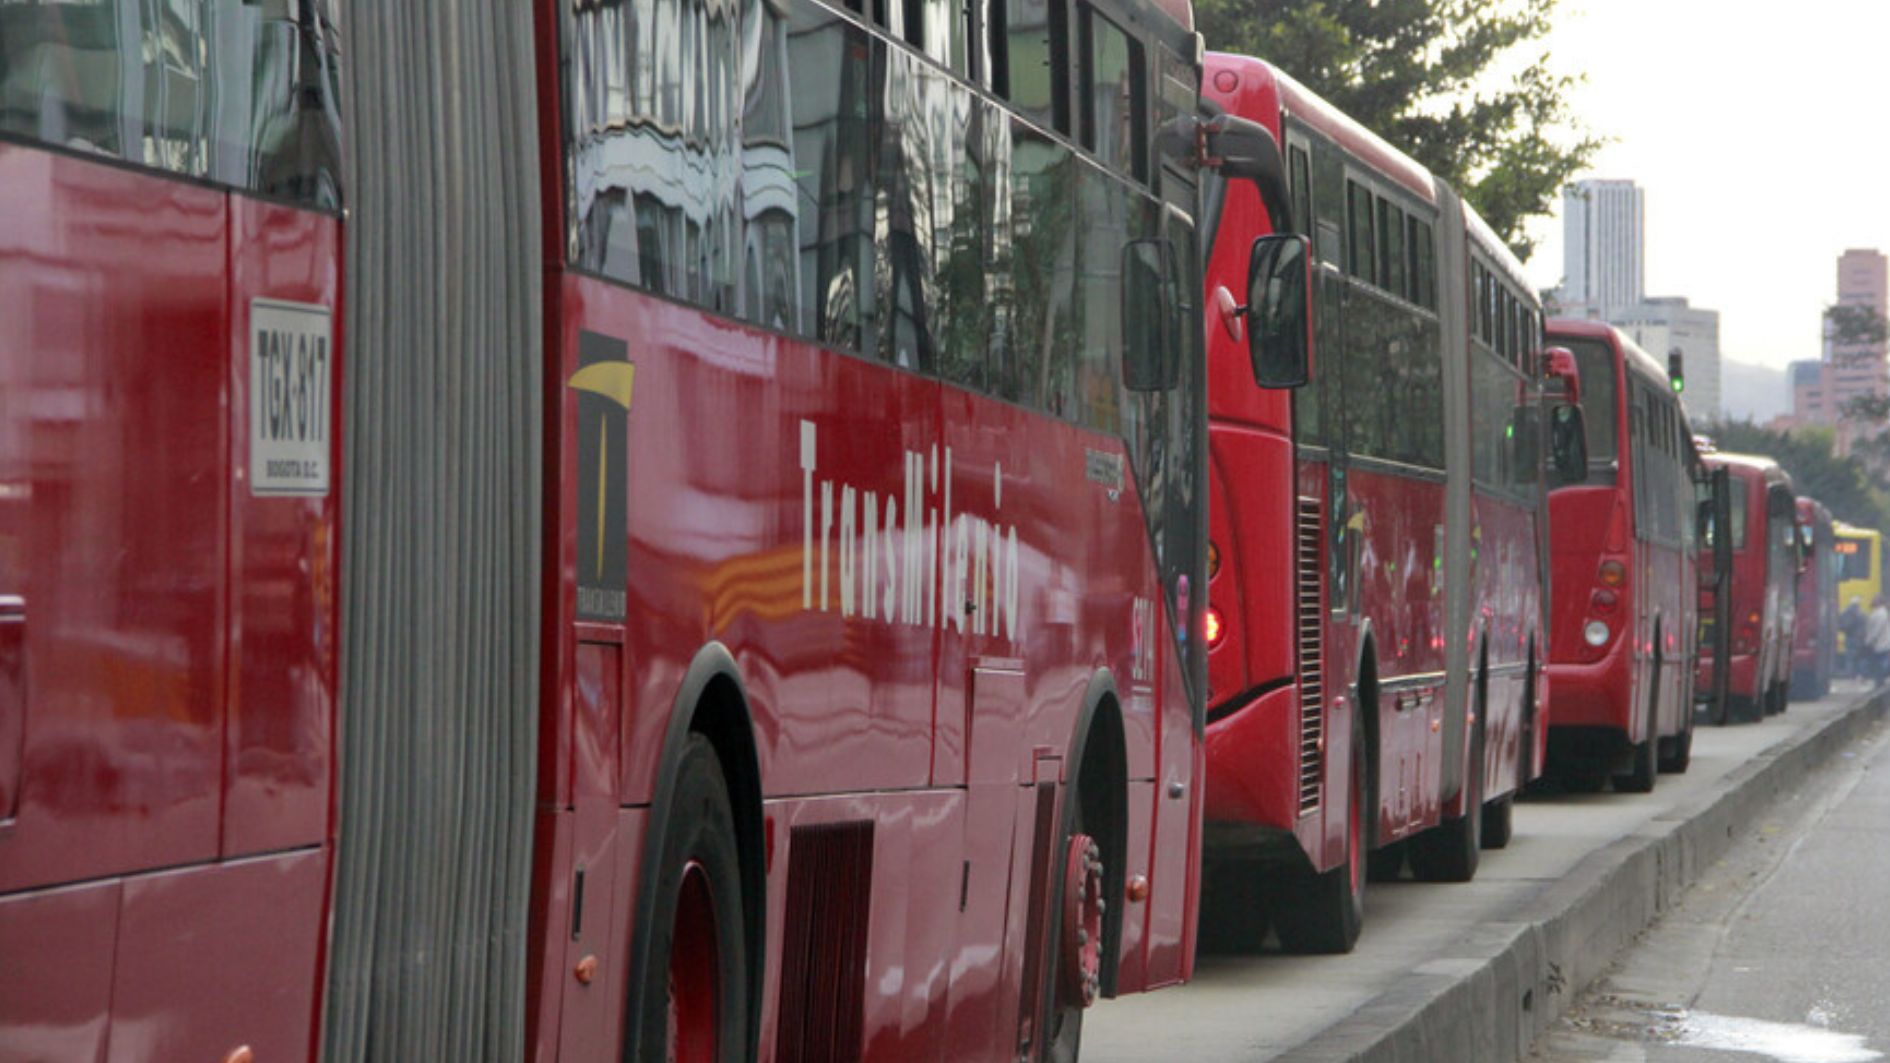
[(1595, 633)]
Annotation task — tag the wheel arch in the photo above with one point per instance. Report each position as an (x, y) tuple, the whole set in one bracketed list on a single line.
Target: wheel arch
[(713, 702), (1099, 755), (1365, 706)]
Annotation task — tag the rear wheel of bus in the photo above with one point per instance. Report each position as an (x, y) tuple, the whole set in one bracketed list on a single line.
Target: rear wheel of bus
[(1450, 851), (693, 1007), (1324, 912)]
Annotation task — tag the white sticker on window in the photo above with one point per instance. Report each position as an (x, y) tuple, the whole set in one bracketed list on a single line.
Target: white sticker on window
[(291, 368)]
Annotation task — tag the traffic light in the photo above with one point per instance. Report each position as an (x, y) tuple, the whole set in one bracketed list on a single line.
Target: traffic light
[(1675, 375)]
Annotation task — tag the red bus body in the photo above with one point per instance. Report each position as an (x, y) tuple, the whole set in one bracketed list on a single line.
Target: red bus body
[(1622, 644), (1764, 598), (1814, 628), (910, 598), (1364, 556), (918, 590), (169, 485)]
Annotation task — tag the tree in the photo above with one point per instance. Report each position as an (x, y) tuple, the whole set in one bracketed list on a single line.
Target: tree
[(1413, 71), (1844, 485), (1857, 333)]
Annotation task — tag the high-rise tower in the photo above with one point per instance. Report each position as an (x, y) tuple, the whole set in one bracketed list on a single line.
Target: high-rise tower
[(1602, 224)]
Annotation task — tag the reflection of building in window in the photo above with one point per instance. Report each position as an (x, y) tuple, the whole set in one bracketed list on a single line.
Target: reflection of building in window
[(221, 90)]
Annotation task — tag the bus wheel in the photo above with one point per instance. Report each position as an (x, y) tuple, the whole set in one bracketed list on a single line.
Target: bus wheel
[(1324, 912), (1639, 778), (1074, 978), (1676, 753), (1236, 901), (693, 1007), (1499, 824), (1449, 852)]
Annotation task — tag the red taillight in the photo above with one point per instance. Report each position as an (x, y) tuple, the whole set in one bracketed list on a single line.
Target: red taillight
[(1605, 601), (1613, 573), (1211, 627), (1214, 559)]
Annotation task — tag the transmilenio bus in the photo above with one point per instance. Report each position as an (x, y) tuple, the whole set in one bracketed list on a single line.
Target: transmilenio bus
[(1815, 630), (1761, 593), (1625, 609), (1376, 548), (776, 543)]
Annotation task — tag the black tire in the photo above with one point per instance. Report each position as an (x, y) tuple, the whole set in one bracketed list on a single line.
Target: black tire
[(1639, 778), (1235, 905), (1450, 851), (1324, 913), (1385, 865), (1499, 822), (698, 832), (1676, 752), (1063, 1018)]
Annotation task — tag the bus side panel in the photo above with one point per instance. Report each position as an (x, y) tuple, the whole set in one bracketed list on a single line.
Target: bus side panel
[(752, 464), (57, 1010), (180, 992), (284, 549), (1401, 592), (1507, 596), (113, 380)]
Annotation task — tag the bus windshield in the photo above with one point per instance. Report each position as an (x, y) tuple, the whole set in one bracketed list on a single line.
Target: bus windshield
[(1597, 365), (1855, 556)]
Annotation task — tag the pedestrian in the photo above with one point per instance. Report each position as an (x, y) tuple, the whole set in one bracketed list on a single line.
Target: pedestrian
[(1877, 641), (1851, 627)]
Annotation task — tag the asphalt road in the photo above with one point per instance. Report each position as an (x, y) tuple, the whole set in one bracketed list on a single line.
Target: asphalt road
[(1265, 1006), (1781, 952)]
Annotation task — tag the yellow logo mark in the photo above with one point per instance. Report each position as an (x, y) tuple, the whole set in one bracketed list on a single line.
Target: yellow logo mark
[(614, 381)]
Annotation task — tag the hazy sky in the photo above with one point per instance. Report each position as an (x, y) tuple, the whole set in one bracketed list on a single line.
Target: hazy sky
[(1758, 134)]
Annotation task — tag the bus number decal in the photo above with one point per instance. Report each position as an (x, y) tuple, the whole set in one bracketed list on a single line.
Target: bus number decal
[(290, 372)]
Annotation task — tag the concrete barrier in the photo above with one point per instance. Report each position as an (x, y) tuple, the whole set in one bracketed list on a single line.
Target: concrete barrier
[(1510, 980)]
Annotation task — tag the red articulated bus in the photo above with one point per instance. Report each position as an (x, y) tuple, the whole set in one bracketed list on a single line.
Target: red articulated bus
[(894, 714), (874, 533), (1625, 613), (1376, 566), (170, 350), (1814, 628), (1762, 598)]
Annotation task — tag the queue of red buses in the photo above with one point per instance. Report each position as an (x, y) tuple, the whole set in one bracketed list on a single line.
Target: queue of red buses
[(872, 520), (1760, 596), (1376, 630), (1815, 630), (1624, 552)]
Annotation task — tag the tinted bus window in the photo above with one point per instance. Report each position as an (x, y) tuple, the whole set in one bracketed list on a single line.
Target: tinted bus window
[(1423, 265), (1739, 515), (1034, 60), (1360, 223), (1595, 364), (1113, 99), (220, 90), (1391, 249)]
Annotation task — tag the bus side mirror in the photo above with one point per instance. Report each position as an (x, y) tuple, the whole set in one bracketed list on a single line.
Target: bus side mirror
[(1279, 310), (1568, 442), (1558, 364), (1151, 316)]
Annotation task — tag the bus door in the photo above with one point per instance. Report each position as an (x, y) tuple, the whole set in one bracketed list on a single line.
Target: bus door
[(1716, 587)]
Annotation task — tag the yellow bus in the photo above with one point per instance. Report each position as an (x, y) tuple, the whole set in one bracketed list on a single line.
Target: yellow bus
[(1860, 575)]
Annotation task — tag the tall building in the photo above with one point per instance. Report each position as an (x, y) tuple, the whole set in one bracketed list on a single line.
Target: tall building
[(1853, 369), (1602, 246), (1810, 403), (1666, 324)]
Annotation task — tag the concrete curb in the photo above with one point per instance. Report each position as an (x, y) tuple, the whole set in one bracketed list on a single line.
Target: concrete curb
[(1511, 980)]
